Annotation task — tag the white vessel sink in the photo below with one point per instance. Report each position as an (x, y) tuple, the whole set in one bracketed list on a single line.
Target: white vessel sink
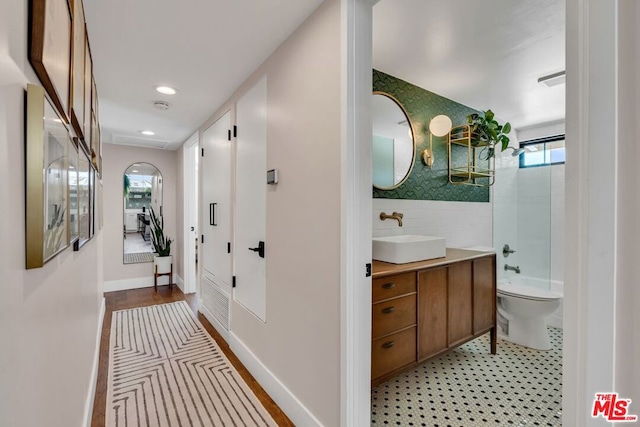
[(408, 248)]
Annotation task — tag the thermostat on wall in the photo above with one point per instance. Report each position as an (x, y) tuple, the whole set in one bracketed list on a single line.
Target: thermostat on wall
[(272, 176)]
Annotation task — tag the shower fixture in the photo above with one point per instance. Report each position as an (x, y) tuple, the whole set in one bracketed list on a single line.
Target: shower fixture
[(516, 151)]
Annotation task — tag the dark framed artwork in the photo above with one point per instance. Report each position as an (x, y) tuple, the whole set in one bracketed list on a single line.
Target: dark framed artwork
[(88, 78), (76, 107), (50, 50), (99, 212), (84, 199), (92, 202), (46, 198), (72, 194)]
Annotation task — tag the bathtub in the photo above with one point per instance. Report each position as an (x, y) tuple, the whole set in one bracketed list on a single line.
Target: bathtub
[(555, 320)]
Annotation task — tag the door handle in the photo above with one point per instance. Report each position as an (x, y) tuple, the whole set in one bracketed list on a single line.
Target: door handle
[(193, 229), (212, 214), (259, 249)]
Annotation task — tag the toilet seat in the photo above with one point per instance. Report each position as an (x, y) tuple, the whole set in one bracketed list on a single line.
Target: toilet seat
[(527, 292)]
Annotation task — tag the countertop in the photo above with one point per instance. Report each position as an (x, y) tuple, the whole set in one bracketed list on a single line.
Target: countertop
[(381, 269)]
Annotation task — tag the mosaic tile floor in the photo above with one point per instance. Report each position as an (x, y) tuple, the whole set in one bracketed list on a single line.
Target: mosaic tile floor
[(471, 387)]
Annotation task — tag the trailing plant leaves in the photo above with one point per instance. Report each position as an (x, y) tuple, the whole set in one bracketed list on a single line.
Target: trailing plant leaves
[(486, 128)]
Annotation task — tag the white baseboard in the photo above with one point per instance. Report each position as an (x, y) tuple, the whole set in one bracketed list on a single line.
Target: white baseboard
[(286, 400), (180, 283), (88, 404), (139, 282), (124, 284)]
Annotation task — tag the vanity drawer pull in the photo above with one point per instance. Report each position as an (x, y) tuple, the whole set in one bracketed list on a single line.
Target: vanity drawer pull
[(389, 285), (388, 344), (388, 310)]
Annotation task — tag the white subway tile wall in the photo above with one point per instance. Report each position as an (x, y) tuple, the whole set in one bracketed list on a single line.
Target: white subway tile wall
[(463, 224)]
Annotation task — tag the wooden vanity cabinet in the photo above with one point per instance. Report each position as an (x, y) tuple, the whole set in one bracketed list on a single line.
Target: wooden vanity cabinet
[(393, 331), (420, 314)]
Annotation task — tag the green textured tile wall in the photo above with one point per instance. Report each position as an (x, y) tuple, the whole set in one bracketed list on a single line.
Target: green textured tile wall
[(422, 106)]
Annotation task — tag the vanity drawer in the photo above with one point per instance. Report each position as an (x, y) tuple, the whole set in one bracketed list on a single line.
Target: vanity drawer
[(393, 286), (393, 352), (392, 315)]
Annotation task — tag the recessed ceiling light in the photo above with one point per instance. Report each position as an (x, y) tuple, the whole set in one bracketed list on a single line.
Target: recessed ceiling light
[(166, 90), (147, 132), (136, 164)]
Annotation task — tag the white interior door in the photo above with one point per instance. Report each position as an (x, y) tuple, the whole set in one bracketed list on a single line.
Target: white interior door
[(191, 155), (251, 182), (216, 201)]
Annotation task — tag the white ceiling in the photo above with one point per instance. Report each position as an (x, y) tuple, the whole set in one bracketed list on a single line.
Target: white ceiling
[(484, 54), (204, 48)]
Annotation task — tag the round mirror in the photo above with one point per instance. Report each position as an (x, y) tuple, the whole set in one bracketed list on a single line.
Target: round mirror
[(393, 142), (142, 192)]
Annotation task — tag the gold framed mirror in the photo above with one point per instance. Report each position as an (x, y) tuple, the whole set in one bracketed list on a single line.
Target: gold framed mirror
[(394, 147)]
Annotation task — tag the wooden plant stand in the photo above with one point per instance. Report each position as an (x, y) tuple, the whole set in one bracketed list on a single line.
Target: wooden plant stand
[(156, 275)]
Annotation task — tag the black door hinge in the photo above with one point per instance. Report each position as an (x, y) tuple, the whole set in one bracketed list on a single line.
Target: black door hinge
[(233, 282), (229, 135), (202, 153), (229, 247), (202, 238), (368, 270), (235, 131)]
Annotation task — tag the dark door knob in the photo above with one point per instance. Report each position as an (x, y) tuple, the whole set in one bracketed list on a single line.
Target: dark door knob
[(259, 249)]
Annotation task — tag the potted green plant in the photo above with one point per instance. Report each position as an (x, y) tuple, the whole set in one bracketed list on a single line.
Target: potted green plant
[(486, 129), (161, 244)]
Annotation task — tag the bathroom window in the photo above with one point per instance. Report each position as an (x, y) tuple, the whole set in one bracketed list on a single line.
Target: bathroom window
[(543, 152)]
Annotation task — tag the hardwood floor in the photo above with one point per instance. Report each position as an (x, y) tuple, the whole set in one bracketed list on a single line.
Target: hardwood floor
[(145, 297)]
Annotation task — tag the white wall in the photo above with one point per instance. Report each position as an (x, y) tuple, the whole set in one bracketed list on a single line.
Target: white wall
[(602, 201), (296, 353), (463, 224), (627, 352), (49, 316), (115, 160)]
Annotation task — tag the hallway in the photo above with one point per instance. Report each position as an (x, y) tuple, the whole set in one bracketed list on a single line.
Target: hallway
[(147, 297)]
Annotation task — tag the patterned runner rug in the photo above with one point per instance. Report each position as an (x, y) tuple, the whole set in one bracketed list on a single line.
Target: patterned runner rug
[(165, 370)]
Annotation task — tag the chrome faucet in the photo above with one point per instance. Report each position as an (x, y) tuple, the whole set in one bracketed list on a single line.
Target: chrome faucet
[(512, 268), (396, 215)]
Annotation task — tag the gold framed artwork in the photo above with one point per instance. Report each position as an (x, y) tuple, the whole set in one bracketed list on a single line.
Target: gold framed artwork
[(46, 203), (76, 107), (50, 50)]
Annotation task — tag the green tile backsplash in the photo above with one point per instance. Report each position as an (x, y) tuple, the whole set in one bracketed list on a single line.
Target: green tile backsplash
[(424, 183)]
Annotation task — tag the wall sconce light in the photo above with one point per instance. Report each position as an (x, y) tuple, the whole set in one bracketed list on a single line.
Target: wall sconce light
[(438, 126)]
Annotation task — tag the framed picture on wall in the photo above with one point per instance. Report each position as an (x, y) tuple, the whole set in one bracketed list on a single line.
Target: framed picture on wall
[(84, 199), (50, 49), (76, 107), (46, 155), (92, 202), (88, 73), (72, 193)]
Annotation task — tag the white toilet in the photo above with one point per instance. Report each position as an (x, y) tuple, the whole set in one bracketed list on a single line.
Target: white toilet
[(526, 309)]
